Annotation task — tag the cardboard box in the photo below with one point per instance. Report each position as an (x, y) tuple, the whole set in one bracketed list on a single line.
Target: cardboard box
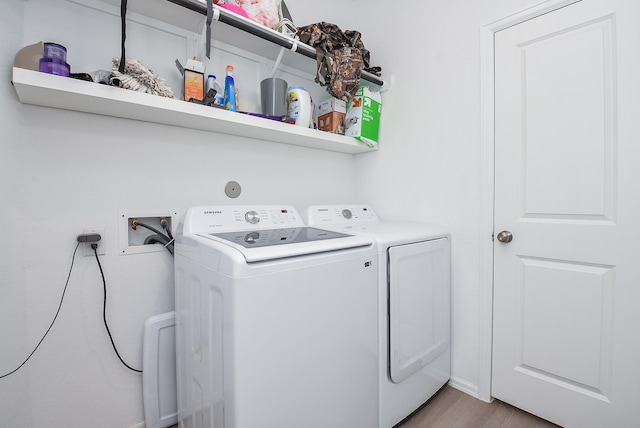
[(193, 80), (363, 116), (331, 114)]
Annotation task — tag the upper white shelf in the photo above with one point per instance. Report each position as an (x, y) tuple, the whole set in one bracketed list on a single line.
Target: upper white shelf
[(49, 90), (236, 31)]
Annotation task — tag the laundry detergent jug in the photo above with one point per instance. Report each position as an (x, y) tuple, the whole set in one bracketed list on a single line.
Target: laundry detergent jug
[(300, 109)]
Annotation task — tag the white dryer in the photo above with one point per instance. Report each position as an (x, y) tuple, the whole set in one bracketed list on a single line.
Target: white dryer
[(414, 305), (276, 323)]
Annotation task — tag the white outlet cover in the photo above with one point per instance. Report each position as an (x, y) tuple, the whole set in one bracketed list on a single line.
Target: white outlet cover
[(102, 243)]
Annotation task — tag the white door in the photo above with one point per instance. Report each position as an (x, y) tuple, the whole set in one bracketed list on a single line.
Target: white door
[(567, 187)]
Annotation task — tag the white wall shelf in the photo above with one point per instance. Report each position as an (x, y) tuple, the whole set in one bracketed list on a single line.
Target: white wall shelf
[(258, 31), (59, 92), (236, 30)]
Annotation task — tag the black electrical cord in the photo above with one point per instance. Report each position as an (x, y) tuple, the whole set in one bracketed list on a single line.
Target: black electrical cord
[(153, 229), (159, 239), (104, 310), (54, 318), (169, 242), (169, 234)]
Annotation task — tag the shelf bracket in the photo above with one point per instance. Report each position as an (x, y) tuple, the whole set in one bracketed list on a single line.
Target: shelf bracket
[(388, 84)]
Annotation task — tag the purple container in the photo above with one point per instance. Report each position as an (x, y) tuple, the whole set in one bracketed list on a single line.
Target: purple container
[(54, 66), (55, 51)]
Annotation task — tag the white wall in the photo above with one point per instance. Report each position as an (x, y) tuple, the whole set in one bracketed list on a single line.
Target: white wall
[(14, 343), (61, 171)]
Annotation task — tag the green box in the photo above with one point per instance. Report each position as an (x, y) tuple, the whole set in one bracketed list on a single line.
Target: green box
[(363, 116)]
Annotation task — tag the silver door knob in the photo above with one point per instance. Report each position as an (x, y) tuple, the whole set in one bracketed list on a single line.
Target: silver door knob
[(505, 237)]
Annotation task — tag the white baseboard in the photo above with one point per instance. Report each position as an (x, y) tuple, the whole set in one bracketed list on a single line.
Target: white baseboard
[(465, 386), (139, 425)]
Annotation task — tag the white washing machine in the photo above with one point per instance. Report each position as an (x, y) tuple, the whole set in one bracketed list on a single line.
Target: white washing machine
[(276, 323), (414, 305)]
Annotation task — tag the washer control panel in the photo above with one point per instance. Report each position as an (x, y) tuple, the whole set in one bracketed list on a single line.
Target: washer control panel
[(207, 219), (338, 215), (252, 217)]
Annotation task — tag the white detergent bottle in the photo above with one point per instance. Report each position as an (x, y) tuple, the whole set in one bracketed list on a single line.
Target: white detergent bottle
[(300, 106), (212, 83)]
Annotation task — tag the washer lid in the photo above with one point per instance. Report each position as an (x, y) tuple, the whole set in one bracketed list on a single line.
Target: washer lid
[(271, 244)]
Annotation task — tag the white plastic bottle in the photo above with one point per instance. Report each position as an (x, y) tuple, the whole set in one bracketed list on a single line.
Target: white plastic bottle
[(300, 106), (212, 83)]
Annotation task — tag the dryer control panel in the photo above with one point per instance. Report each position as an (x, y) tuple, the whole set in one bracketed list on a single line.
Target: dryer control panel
[(341, 215)]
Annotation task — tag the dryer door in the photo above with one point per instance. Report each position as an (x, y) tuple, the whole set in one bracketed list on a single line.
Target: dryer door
[(418, 305)]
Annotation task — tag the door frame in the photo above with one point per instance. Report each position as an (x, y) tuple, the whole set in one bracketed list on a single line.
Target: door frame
[(487, 182)]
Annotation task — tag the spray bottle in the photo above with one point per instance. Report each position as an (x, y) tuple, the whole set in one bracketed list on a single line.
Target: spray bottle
[(229, 90)]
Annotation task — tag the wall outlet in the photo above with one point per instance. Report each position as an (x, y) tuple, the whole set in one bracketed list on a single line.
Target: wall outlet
[(102, 243), (138, 229)]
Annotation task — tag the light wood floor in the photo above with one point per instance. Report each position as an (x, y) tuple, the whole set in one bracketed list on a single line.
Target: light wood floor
[(451, 408)]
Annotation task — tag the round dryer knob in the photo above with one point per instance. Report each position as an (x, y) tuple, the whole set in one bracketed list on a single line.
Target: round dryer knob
[(347, 214), (252, 217)]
